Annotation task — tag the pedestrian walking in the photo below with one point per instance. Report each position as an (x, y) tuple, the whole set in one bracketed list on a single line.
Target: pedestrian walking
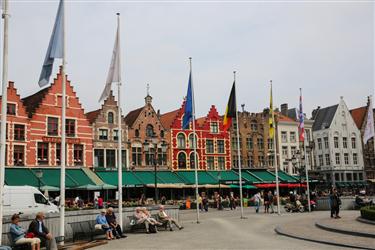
[(257, 199), (266, 202), (335, 202), (270, 200)]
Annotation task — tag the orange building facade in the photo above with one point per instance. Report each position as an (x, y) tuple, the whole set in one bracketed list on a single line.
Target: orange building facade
[(34, 128)]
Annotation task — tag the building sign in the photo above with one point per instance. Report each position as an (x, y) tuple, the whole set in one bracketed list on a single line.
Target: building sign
[(58, 140)]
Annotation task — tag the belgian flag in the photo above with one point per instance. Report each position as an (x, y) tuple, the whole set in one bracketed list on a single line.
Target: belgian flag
[(230, 111)]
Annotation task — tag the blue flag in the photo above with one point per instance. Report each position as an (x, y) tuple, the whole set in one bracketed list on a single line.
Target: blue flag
[(55, 47), (188, 114)]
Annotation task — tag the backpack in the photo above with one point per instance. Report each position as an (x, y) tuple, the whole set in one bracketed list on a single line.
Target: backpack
[(152, 228)]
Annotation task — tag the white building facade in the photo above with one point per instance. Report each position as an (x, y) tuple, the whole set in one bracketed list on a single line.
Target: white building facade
[(287, 144), (338, 147)]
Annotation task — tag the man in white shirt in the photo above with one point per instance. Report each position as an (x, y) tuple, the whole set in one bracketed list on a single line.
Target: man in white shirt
[(165, 218)]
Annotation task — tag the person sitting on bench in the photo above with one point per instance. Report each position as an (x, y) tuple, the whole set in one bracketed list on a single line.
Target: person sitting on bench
[(142, 217), (111, 219), (19, 234), (102, 221), (38, 228), (165, 218)]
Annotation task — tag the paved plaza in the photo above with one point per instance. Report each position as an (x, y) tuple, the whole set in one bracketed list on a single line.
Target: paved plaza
[(225, 230)]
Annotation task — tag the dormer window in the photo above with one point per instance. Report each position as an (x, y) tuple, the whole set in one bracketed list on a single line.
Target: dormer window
[(214, 127), (110, 117)]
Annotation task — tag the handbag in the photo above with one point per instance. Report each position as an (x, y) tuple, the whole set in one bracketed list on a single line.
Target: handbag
[(30, 235), (98, 227)]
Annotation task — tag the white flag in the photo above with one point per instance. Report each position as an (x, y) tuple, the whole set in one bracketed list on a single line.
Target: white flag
[(114, 74), (369, 129)]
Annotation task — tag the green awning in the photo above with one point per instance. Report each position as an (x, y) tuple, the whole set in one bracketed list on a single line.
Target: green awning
[(264, 175), (21, 177), (169, 177), (51, 177), (203, 177), (284, 177), (249, 177), (147, 177), (128, 178), (244, 186), (225, 176), (79, 176)]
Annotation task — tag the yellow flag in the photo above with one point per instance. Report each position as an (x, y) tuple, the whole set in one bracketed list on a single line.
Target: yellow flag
[(271, 122)]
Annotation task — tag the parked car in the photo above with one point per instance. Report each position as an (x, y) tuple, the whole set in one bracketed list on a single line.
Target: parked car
[(26, 200)]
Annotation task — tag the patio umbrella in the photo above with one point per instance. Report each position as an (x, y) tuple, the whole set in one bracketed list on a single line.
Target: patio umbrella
[(49, 188), (108, 186), (88, 187)]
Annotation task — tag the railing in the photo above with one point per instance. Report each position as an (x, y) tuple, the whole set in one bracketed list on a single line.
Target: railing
[(52, 220)]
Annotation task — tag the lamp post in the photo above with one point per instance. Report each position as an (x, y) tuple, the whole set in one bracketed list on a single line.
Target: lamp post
[(154, 158), (39, 175)]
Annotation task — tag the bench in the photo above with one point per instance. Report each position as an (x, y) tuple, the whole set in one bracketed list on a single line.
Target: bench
[(134, 226), (85, 229), (25, 246)]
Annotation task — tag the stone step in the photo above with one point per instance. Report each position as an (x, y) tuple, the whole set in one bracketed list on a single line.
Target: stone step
[(347, 226), (306, 230)]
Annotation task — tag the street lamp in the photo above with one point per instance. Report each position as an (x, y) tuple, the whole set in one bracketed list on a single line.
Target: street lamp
[(154, 158), (39, 175)]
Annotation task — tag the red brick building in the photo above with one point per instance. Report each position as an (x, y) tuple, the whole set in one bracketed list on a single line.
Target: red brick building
[(44, 134), (18, 129), (213, 143)]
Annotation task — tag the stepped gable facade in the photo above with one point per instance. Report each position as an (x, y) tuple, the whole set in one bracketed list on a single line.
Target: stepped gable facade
[(44, 112), (104, 122), (212, 141), (17, 130)]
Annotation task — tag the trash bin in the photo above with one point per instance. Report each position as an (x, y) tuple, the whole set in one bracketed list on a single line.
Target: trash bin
[(245, 201)]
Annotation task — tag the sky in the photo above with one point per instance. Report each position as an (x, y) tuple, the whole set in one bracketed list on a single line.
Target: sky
[(325, 48)]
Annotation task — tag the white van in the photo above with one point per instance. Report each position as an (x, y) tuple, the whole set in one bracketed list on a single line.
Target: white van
[(26, 200)]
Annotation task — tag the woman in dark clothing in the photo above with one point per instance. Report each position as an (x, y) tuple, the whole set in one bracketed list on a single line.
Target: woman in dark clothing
[(266, 202), (335, 203)]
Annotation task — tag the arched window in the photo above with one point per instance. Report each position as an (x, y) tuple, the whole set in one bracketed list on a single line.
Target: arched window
[(192, 141), (136, 133), (192, 161), (181, 141), (162, 133), (181, 160), (149, 130), (110, 117)]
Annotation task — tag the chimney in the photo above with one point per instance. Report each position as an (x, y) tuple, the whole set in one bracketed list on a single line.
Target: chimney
[(284, 109), (243, 107), (315, 112), (158, 113)]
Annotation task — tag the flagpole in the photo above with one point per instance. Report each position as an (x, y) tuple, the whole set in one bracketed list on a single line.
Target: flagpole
[(238, 151), (119, 168), (275, 156), (63, 135), (3, 112), (194, 143), (306, 170)]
